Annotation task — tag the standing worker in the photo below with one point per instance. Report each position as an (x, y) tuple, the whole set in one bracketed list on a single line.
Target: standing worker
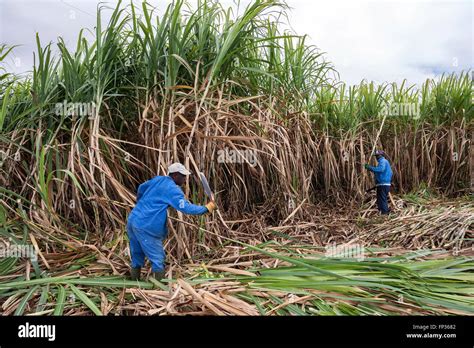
[(383, 178), (146, 226)]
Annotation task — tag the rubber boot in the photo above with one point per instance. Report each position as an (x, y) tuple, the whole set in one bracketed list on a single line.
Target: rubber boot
[(135, 273), (158, 275)]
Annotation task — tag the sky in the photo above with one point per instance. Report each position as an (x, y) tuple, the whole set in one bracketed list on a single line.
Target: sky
[(375, 40)]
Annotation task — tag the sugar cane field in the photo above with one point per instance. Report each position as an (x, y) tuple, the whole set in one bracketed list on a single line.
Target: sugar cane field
[(293, 227)]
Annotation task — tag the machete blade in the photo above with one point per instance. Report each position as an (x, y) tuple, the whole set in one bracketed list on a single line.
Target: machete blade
[(205, 185)]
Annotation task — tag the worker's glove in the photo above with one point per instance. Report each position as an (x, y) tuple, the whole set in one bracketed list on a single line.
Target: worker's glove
[(366, 166), (211, 206)]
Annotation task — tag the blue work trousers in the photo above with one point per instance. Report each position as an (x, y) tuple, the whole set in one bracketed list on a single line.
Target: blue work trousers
[(144, 244), (382, 199)]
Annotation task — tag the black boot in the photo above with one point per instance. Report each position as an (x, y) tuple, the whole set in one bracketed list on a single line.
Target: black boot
[(135, 273), (158, 275)]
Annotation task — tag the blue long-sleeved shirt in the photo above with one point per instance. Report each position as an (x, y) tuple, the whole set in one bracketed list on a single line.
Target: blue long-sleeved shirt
[(153, 199), (383, 172)]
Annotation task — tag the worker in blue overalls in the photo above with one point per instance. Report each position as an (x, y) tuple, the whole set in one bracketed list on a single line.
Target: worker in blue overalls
[(147, 223), (383, 178)]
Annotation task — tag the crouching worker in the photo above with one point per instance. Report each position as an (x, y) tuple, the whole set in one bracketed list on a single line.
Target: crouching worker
[(383, 178), (146, 226)]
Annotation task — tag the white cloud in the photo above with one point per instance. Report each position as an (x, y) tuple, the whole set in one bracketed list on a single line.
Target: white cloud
[(389, 40), (376, 40)]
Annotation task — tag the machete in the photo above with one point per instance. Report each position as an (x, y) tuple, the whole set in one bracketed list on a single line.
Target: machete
[(205, 185)]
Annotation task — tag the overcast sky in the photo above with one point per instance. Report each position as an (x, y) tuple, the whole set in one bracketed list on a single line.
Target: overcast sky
[(365, 39)]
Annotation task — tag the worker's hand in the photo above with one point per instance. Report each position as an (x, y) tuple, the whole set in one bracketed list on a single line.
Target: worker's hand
[(366, 166), (211, 206)]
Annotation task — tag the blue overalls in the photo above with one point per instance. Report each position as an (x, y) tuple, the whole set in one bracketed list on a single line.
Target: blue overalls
[(146, 226), (383, 178)]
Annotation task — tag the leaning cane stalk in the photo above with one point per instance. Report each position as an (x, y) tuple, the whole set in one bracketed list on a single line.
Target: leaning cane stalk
[(372, 153)]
